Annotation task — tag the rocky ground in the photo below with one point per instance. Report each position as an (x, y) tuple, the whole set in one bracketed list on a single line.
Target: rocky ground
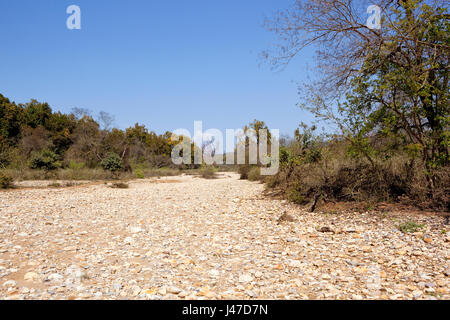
[(191, 238)]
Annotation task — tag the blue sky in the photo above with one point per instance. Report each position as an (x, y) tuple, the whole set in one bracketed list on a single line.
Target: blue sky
[(160, 63)]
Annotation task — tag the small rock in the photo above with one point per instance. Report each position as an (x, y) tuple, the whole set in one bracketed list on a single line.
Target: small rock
[(295, 263), (128, 240), (174, 290), (251, 294), (430, 290), (162, 291), (10, 284), (245, 278), (417, 294), (136, 229), (286, 218), (366, 249), (214, 273), (427, 239), (30, 276), (326, 230), (55, 276)]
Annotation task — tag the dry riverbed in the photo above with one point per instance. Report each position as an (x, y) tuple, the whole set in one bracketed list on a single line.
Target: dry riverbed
[(191, 238)]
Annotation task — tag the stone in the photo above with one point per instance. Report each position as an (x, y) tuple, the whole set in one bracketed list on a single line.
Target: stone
[(55, 277), (245, 278), (428, 239), (165, 235), (417, 294), (136, 229), (128, 240), (214, 273), (326, 230), (9, 284), (326, 277), (366, 249), (173, 290), (30, 276)]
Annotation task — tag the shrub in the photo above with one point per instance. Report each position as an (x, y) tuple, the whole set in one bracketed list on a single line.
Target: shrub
[(113, 163), (6, 181), (244, 170), (410, 226), (139, 173), (55, 185), (46, 160), (208, 173), (255, 174), (294, 194), (76, 165)]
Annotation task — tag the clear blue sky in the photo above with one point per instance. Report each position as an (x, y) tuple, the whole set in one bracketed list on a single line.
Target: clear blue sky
[(160, 63)]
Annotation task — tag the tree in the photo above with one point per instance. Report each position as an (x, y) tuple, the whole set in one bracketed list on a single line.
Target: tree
[(61, 127), (36, 114), (113, 162), (46, 160), (106, 120), (10, 123), (387, 82), (10, 120), (33, 140), (86, 144)]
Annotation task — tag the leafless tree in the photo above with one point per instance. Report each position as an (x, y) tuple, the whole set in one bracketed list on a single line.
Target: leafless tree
[(106, 120), (81, 112)]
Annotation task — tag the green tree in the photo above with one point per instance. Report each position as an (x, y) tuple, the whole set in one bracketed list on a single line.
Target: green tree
[(113, 162), (10, 120), (36, 114), (46, 160), (391, 82)]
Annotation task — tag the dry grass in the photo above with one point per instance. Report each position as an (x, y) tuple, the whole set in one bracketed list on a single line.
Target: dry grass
[(6, 180), (83, 174), (339, 178)]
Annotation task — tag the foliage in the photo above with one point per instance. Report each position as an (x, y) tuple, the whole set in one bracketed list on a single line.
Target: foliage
[(255, 174), (75, 138), (410, 227), (208, 172), (45, 159), (385, 91), (244, 170), (76, 165), (139, 173), (112, 162), (6, 181)]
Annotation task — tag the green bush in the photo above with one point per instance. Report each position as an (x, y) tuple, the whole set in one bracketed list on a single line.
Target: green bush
[(208, 173), (76, 165), (294, 194), (244, 170), (112, 163), (46, 160), (6, 181), (139, 173), (410, 227)]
